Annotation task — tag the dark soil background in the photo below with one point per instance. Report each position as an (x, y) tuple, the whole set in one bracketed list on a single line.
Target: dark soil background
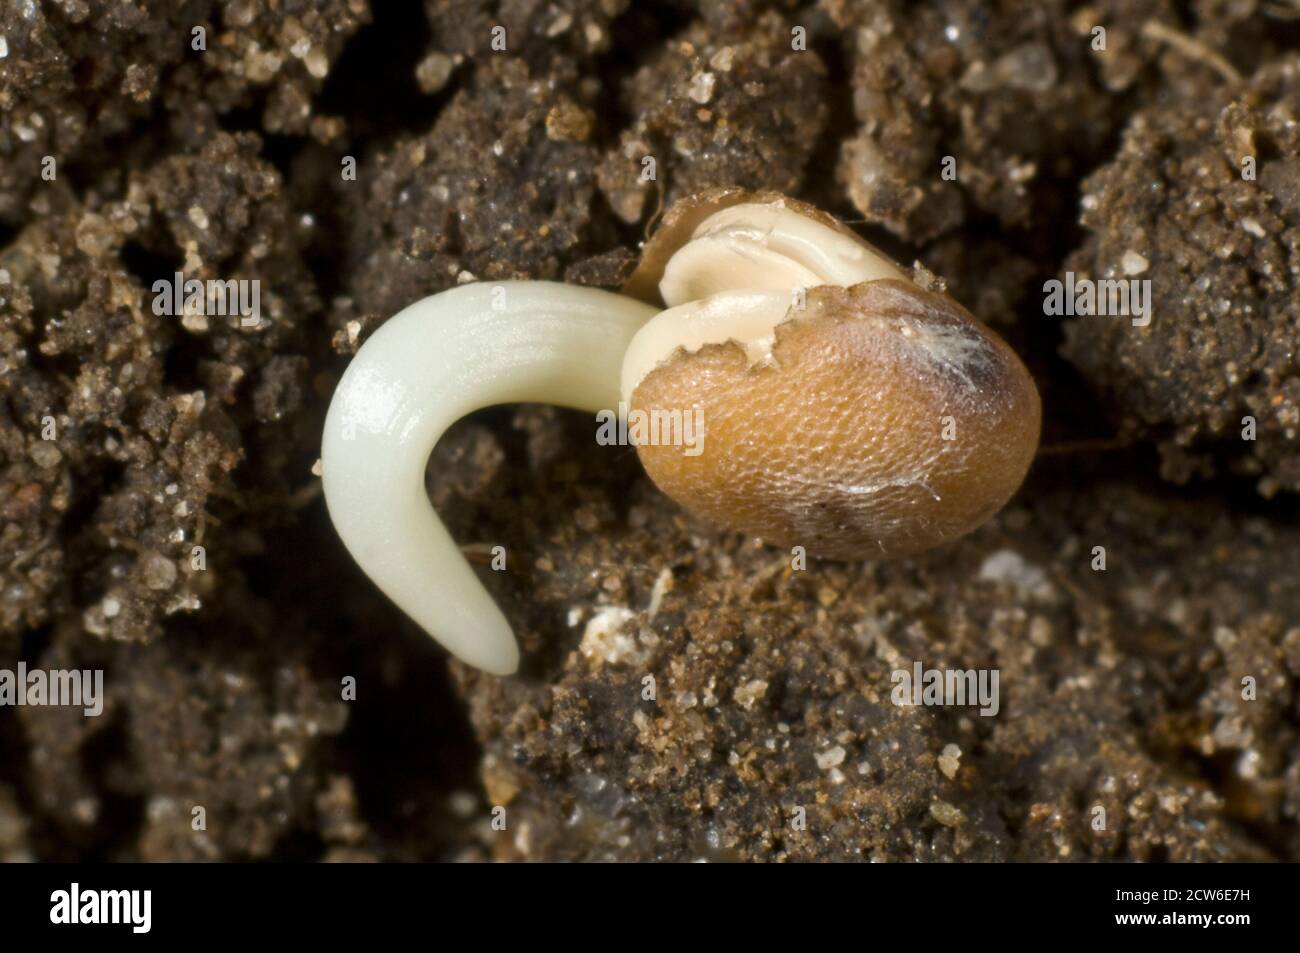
[(1121, 688)]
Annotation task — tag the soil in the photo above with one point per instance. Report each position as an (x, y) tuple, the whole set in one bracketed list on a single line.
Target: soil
[(685, 693)]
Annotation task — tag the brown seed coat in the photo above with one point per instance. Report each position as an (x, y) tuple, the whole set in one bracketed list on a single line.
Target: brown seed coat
[(837, 443)]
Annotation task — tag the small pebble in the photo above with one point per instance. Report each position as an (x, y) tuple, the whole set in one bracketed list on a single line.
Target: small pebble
[(749, 693), (946, 814), (317, 63), (1133, 264), (701, 90), (830, 758), (433, 72), (950, 761), (159, 572), (722, 60), (46, 455)]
